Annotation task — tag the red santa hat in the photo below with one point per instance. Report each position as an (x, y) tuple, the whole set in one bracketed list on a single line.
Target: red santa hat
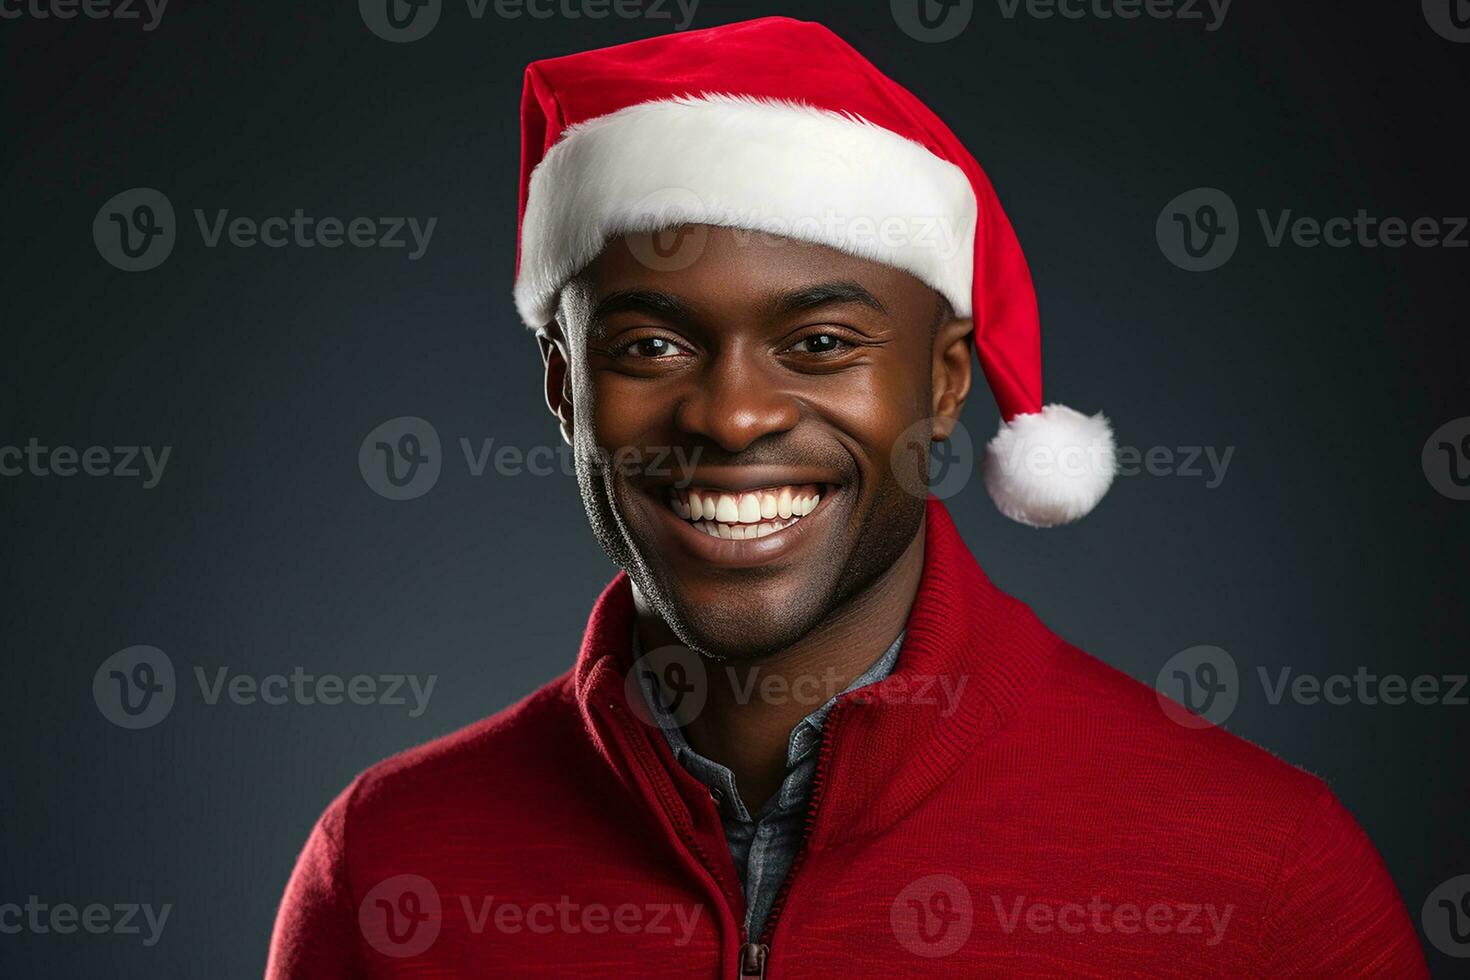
[(779, 126)]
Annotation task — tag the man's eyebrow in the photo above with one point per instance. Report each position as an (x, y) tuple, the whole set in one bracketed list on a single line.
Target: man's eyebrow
[(824, 294), (647, 301)]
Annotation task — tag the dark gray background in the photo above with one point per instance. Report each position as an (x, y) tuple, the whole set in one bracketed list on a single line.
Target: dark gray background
[(262, 549)]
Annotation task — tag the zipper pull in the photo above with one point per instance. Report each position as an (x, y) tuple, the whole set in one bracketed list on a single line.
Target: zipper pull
[(753, 960)]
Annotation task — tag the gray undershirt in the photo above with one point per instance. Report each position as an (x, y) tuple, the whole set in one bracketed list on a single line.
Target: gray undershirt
[(764, 845)]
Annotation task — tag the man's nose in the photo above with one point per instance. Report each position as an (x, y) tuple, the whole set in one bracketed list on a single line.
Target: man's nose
[(735, 402)]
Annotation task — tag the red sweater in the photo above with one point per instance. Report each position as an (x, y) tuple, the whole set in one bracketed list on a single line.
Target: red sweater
[(1051, 820)]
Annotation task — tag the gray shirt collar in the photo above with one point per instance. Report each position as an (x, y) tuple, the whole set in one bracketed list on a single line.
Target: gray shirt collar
[(805, 737)]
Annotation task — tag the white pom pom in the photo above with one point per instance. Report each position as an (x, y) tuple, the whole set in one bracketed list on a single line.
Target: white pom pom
[(1050, 467)]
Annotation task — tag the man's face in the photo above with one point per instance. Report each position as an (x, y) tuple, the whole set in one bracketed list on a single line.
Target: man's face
[(770, 380)]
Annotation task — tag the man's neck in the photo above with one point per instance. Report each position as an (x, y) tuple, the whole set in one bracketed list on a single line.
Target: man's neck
[(753, 705)]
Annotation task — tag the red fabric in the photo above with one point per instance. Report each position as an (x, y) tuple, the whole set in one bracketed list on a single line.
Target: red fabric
[(781, 58), (1054, 786)]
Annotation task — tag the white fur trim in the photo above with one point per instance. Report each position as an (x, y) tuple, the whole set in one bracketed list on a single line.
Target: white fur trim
[(759, 164), (1050, 467)]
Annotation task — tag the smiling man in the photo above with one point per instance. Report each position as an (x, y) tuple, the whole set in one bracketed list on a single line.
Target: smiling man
[(805, 735)]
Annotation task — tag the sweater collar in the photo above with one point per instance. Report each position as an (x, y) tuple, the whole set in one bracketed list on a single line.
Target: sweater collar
[(971, 655)]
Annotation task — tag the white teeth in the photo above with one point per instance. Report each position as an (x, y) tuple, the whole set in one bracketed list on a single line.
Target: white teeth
[(783, 503), (726, 510), (750, 508), (743, 516)]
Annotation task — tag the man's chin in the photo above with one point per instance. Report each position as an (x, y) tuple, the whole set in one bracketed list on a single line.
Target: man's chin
[(741, 631)]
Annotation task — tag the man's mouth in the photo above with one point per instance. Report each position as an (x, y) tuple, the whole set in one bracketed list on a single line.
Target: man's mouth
[(746, 514)]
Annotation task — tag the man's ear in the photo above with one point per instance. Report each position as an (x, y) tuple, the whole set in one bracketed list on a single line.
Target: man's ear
[(553, 346), (953, 371)]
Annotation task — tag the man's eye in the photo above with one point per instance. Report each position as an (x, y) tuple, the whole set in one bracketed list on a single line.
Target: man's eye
[(819, 343), (650, 347)]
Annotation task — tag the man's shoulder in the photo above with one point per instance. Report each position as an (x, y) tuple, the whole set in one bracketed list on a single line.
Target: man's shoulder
[(467, 771), (1151, 740)]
